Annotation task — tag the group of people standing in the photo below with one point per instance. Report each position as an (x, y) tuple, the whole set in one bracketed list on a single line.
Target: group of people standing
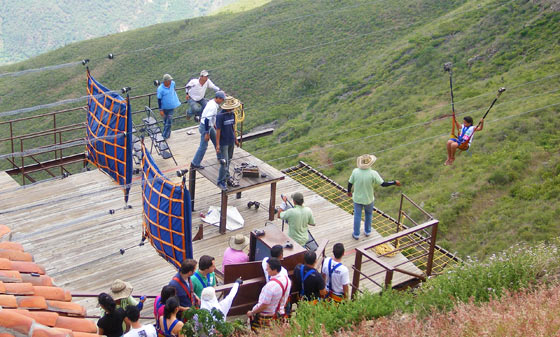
[(216, 117)]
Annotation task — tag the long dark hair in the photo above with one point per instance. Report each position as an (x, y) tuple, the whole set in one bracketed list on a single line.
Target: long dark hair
[(170, 305), (167, 292), (107, 302)]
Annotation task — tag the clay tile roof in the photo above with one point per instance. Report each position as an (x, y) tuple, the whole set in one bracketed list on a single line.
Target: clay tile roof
[(29, 303), (53, 293), (36, 280), (19, 289), (15, 255)]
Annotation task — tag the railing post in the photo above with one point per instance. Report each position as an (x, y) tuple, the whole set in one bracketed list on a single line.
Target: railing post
[(432, 248), (356, 277), (22, 168), (12, 141), (388, 279)]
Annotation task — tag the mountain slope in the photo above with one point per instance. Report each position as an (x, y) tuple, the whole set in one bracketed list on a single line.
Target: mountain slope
[(343, 78)]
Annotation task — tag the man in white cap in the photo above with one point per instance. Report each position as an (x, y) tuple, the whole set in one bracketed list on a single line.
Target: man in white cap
[(167, 103), (207, 128), (362, 179), (209, 301), (234, 253), (196, 89)]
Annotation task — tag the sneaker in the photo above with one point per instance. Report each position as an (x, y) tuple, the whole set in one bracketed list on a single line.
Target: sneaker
[(196, 119), (368, 234), (355, 237), (222, 186), (197, 167)]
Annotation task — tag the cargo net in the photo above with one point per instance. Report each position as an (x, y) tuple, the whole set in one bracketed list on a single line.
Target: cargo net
[(413, 247), (108, 133), (166, 213)]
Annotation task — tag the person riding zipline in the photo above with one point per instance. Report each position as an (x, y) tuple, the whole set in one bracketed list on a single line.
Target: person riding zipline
[(463, 141)]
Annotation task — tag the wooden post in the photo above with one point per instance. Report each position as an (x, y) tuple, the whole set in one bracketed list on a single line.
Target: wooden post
[(431, 251), (356, 277), (192, 184), (272, 204), (223, 213), (388, 279)]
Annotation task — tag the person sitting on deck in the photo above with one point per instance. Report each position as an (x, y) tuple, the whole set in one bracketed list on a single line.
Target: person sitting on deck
[(234, 253), (273, 297), (136, 328), (159, 303), (111, 324), (297, 218), (183, 285), (309, 284), (204, 276), (195, 91), (336, 275), (363, 178), (207, 128), (277, 251), (169, 323), (209, 300), (467, 131), (225, 140)]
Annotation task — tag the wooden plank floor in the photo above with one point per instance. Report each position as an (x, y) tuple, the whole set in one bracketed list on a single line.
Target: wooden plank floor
[(67, 226)]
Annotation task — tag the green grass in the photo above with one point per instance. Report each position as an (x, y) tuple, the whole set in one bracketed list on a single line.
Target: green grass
[(339, 79)]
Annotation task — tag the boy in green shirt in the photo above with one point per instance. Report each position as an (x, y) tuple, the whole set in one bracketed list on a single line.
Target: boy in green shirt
[(204, 276), (363, 178)]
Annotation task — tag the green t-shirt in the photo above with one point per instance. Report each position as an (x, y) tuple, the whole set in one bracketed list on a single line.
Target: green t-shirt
[(363, 181), (209, 281), (298, 218)]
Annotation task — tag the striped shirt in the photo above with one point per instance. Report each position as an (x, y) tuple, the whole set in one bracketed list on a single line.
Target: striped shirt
[(271, 294)]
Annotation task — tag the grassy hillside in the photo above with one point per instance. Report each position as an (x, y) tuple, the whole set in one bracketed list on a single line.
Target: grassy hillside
[(338, 79), (28, 28)]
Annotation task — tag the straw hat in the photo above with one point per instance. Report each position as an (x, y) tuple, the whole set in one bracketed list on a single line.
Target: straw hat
[(120, 289), (238, 242), (231, 103), (365, 161)]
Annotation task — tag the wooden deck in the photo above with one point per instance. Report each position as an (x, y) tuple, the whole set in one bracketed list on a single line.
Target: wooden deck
[(66, 224)]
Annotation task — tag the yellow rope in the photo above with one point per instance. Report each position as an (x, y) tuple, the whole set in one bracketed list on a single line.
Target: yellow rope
[(385, 249)]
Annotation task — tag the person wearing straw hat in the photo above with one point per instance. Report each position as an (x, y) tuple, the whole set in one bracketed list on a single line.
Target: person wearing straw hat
[(121, 292), (167, 103), (362, 179), (234, 253), (195, 91), (225, 139)]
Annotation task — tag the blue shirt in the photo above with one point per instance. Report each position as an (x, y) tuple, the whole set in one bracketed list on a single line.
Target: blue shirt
[(184, 298), (168, 96), (225, 121)]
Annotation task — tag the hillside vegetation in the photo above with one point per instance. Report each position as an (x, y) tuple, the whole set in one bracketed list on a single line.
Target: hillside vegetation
[(341, 78), (28, 28)]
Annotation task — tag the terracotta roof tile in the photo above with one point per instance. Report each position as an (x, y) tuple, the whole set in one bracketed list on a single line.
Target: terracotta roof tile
[(6, 335), (53, 293), (10, 276), (41, 317), (27, 267), (76, 324), (11, 245), (15, 323), (2, 288), (8, 301), (66, 307), (31, 302), (4, 232), (43, 331), (36, 280), (19, 289), (15, 255), (5, 264)]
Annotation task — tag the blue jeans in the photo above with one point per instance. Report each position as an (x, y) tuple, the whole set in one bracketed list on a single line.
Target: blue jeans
[(226, 152), (368, 209), (196, 107), (203, 143), (167, 121)]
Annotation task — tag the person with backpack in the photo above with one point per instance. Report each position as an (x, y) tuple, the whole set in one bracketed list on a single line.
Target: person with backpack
[(309, 284), (336, 275)]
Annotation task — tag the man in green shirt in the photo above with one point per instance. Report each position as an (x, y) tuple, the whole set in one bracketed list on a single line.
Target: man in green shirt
[(297, 218), (204, 276), (363, 178)]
